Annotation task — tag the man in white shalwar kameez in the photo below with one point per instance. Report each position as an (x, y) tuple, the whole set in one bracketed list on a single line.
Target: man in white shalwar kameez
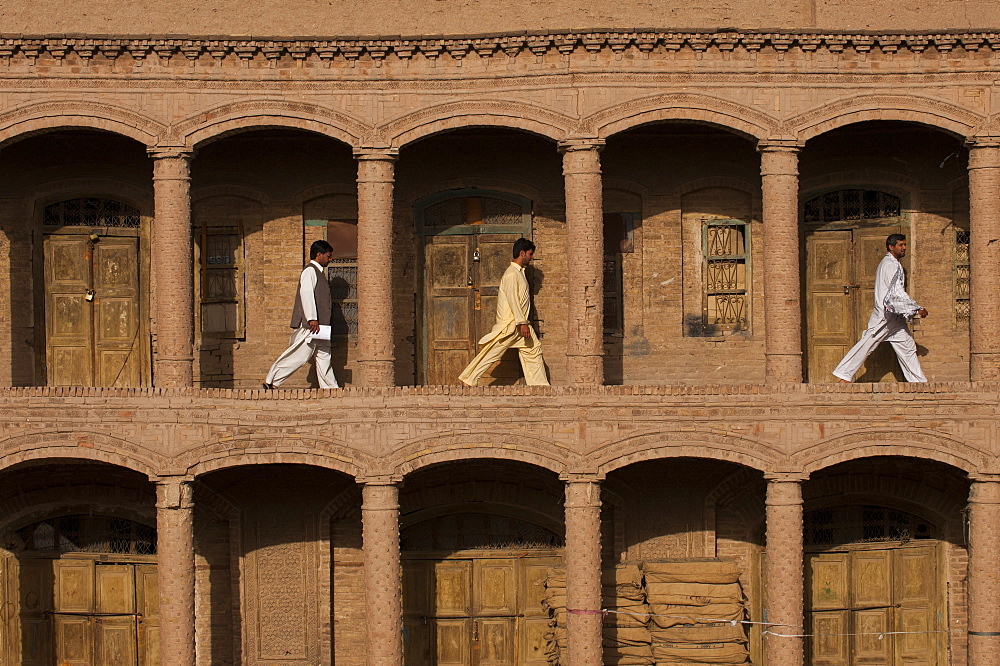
[(888, 321), (512, 328)]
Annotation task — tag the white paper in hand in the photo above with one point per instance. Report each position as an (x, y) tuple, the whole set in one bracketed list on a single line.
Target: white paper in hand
[(324, 333)]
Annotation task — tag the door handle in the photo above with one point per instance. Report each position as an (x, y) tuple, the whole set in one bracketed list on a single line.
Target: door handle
[(469, 282), (848, 287), (475, 630), (479, 301)]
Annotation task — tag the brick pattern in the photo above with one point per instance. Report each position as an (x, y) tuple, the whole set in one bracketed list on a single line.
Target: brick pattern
[(984, 257), (782, 300), (585, 255), (783, 591), (583, 572), (383, 573), (376, 356), (172, 266), (176, 569)]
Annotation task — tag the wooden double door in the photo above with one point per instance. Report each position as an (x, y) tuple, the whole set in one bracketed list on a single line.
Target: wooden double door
[(92, 310), (840, 292), (857, 598), (80, 611), (461, 280), (477, 609)]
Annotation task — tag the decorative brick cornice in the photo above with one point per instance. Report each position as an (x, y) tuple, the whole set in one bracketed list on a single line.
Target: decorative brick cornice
[(459, 47)]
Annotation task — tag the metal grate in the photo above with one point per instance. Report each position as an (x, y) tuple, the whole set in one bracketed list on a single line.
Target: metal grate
[(92, 212), (862, 524), (726, 253), (853, 204), (473, 210), (342, 274), (83, 533), (477, 531), (961, 288)]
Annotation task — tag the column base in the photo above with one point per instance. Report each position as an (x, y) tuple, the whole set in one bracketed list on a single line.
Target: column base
[(377, 373), (783, 368), (984, 367), (585, 370), (173, 373)]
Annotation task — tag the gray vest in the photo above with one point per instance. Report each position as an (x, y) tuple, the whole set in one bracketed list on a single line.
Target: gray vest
[(324, 302)]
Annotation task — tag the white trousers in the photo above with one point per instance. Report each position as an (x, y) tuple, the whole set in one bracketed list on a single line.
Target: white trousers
[(531, 360), (895, 332), (300, 350)]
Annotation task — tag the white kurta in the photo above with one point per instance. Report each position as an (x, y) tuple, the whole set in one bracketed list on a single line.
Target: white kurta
[(885, 326), (301, 346), (513, 304)]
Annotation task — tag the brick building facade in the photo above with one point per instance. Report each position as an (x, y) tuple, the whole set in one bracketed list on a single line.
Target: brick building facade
[(709, 206)]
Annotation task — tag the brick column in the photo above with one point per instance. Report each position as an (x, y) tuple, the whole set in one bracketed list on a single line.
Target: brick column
[(984, 570), (383, 575), (585, 256), (984, 260), (376, 356), (779, 171), (173, 268), (583, 572), (783, 564), (175, 569)]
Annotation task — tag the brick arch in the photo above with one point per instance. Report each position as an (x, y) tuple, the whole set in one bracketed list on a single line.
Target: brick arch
[(684, 444), (728, 182), (81, 445), (296, 449), (685, 107), (890, 182), (872, 442), (216, 123), (231, 190), (477, 113), (488, 445), (54, 191), (39, 117), (924, 110)]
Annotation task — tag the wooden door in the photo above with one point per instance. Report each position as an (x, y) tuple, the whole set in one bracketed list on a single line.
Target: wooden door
[(840, 278), (462, 275), (475, 611), (91, 311), (856, 598)]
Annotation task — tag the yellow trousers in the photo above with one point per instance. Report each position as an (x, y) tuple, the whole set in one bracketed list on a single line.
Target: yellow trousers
[(530, 355)]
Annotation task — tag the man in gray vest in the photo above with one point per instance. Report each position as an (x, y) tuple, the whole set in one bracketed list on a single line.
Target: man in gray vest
[(313, 306)]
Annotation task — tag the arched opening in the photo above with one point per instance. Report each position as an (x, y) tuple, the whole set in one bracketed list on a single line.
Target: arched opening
[(477, 552), (78, 566), (860, 183)]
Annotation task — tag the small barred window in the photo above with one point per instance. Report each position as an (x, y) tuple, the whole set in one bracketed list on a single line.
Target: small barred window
[(862, 524), (845, 205), (961, 288), (85, 533), (726, 251)]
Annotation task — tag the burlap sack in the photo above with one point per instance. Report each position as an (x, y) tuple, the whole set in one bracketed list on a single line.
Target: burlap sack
[(693, 594), (700, 633), (666, 615), (713, 572), (707, 653)]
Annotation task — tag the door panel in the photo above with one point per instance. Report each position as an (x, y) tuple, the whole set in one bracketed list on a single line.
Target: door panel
[(92, 343), (453, 648), (33, 580), (68, 324), (495, 591), (115, 643), (449, 313), (829, 310), (857, 597), (148, 605), (496, 642)]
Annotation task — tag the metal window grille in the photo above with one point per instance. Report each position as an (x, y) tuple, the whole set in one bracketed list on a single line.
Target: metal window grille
[(477, 531), (342, 275), (726, 251), (854, 204), (862, 524), (91, 212), (222, 278), (84, 533), (473, 210), (961, 288)]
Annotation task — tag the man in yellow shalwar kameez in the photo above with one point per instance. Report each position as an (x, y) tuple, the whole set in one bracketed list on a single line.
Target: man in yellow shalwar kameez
[(512, 328)]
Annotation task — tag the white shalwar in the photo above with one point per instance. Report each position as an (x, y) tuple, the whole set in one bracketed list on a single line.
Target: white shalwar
[(887, 323), (301, 345), (512, 312)]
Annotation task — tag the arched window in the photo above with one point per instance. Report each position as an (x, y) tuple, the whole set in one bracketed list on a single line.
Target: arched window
[(86, 533), (91, 212)]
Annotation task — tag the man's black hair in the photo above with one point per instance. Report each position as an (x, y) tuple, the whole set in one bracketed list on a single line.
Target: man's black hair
[(893, 239), (522, 245), (319, 247)]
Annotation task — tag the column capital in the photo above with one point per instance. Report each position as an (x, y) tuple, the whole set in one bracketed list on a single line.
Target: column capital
[(985, 489), (984, 152), (780, 145), (582, 477), (376, 153), (786, 477), (380, 480), (581, 143), (174, 492), (170, 152)]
